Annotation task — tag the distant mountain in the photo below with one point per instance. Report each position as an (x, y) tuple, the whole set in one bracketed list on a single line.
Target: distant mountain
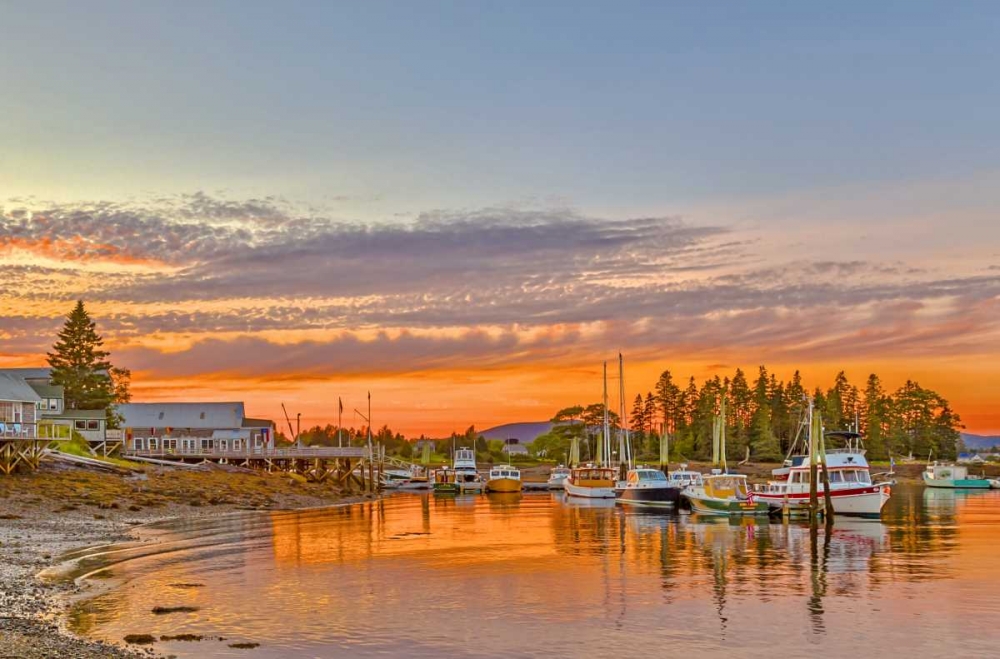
[(525, 433), (980, 442)]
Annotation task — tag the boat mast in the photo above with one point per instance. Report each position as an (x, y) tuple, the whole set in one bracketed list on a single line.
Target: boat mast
[(606, 435), (624, 448)]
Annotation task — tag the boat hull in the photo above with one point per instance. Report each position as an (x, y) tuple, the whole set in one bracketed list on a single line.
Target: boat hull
[(650, 497), (590, 491), (446, 488), (556, 484), (859, 502), (963, 483), (503, 485), (712, 506)]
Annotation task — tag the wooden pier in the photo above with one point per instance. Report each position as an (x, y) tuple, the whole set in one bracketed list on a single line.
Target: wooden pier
[(350, 468), (22, 445)]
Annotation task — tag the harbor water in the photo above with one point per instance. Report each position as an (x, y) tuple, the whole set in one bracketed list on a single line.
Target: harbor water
[(537, 575)]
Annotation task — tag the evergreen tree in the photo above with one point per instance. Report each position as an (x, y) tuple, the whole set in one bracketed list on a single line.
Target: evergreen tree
[(81, 366), (875, 418), (762, 440)]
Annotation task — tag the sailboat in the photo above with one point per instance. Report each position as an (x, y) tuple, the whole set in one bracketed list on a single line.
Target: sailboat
[(643, 486), (721, 493), (595, 481)]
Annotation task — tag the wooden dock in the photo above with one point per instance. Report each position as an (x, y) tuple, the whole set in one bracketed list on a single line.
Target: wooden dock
[(22, 445), (351, 468)]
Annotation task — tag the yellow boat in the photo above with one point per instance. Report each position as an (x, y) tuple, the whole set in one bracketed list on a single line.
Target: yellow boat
[(504, 478)]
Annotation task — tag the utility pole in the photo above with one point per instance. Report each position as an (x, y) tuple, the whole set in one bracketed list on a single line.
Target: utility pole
[(298, 429)]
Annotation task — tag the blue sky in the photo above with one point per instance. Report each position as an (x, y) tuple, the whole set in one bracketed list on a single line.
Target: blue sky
[(428, 105)]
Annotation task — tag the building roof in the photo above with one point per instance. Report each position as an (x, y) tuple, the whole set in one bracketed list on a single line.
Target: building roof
[(13, 387), (249, 422), (79, 414), (182, 415), (46, 390), (42, 373)]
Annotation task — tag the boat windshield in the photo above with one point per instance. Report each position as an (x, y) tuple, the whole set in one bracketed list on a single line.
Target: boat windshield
[(594, 474), (646, 475)]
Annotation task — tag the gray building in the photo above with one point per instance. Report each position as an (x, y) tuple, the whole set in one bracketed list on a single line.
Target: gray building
[(194, 427)]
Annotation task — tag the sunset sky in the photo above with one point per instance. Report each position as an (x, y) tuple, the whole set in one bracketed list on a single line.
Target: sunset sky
[(465, 207)]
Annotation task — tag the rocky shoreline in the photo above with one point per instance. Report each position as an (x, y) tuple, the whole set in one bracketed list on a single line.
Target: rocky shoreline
[(45, 515)]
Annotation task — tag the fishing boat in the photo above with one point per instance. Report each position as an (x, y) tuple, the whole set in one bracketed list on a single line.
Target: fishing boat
[(852, 491), (591, 482), (445, 481), (956, 476), (504, 478), (557, 477), (649, 488), (595, 481), (462, 477), (683, 477), (724, 494)]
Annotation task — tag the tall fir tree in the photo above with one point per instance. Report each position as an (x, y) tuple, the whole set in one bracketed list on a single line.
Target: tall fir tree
[(80, 365)]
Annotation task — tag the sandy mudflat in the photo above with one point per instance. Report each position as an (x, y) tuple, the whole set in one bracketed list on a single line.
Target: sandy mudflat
[(47, 514)]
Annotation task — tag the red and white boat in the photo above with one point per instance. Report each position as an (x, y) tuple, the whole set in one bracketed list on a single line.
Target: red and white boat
[(852, 490)]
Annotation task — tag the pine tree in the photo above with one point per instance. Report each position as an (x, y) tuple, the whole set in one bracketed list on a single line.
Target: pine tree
[(81, 366), (762, 440)]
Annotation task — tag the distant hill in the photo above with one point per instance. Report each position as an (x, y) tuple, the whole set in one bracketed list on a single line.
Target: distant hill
[(980, 442), (525, 433)]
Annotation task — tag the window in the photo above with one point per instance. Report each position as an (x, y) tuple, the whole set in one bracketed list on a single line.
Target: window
[(836, 477), (139, 444), (864, 477), (160, 416), (93, 425), (202, 416), (152, 443), (80, 424), (850, 476)]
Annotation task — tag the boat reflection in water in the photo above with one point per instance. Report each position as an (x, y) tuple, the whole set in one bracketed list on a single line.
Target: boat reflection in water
[(426, 576)]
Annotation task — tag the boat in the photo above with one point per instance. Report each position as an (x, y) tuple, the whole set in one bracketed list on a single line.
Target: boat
[(956, 476), (591, 482), (445, 481), (414, 478), (648, 488), (595, 481), (724, 494), (462, 477), (504, 478), (557, 477), (852, 491), (682, 477)]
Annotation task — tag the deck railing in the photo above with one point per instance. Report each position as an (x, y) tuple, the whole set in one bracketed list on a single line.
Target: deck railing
[(33, 431), (305, 452)]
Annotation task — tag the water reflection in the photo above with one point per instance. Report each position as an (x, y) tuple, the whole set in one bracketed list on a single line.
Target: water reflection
[(530, 574)]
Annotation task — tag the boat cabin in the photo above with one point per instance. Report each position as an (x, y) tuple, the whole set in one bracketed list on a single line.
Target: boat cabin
[(682, 478), (591, 476), (936, 472), (505, 472), (643, 477), (726, 486), (465, 458)]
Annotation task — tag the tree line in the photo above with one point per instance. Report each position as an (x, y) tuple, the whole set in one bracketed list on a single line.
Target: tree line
[(765, 416)]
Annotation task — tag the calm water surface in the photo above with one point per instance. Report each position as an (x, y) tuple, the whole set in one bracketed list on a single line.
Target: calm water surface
[(535, 575)]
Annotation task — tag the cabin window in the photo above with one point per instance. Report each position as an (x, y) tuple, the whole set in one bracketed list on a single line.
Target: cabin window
[(851, 476), (836, 477), (80, 424), (93, 425), (864, 477)]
